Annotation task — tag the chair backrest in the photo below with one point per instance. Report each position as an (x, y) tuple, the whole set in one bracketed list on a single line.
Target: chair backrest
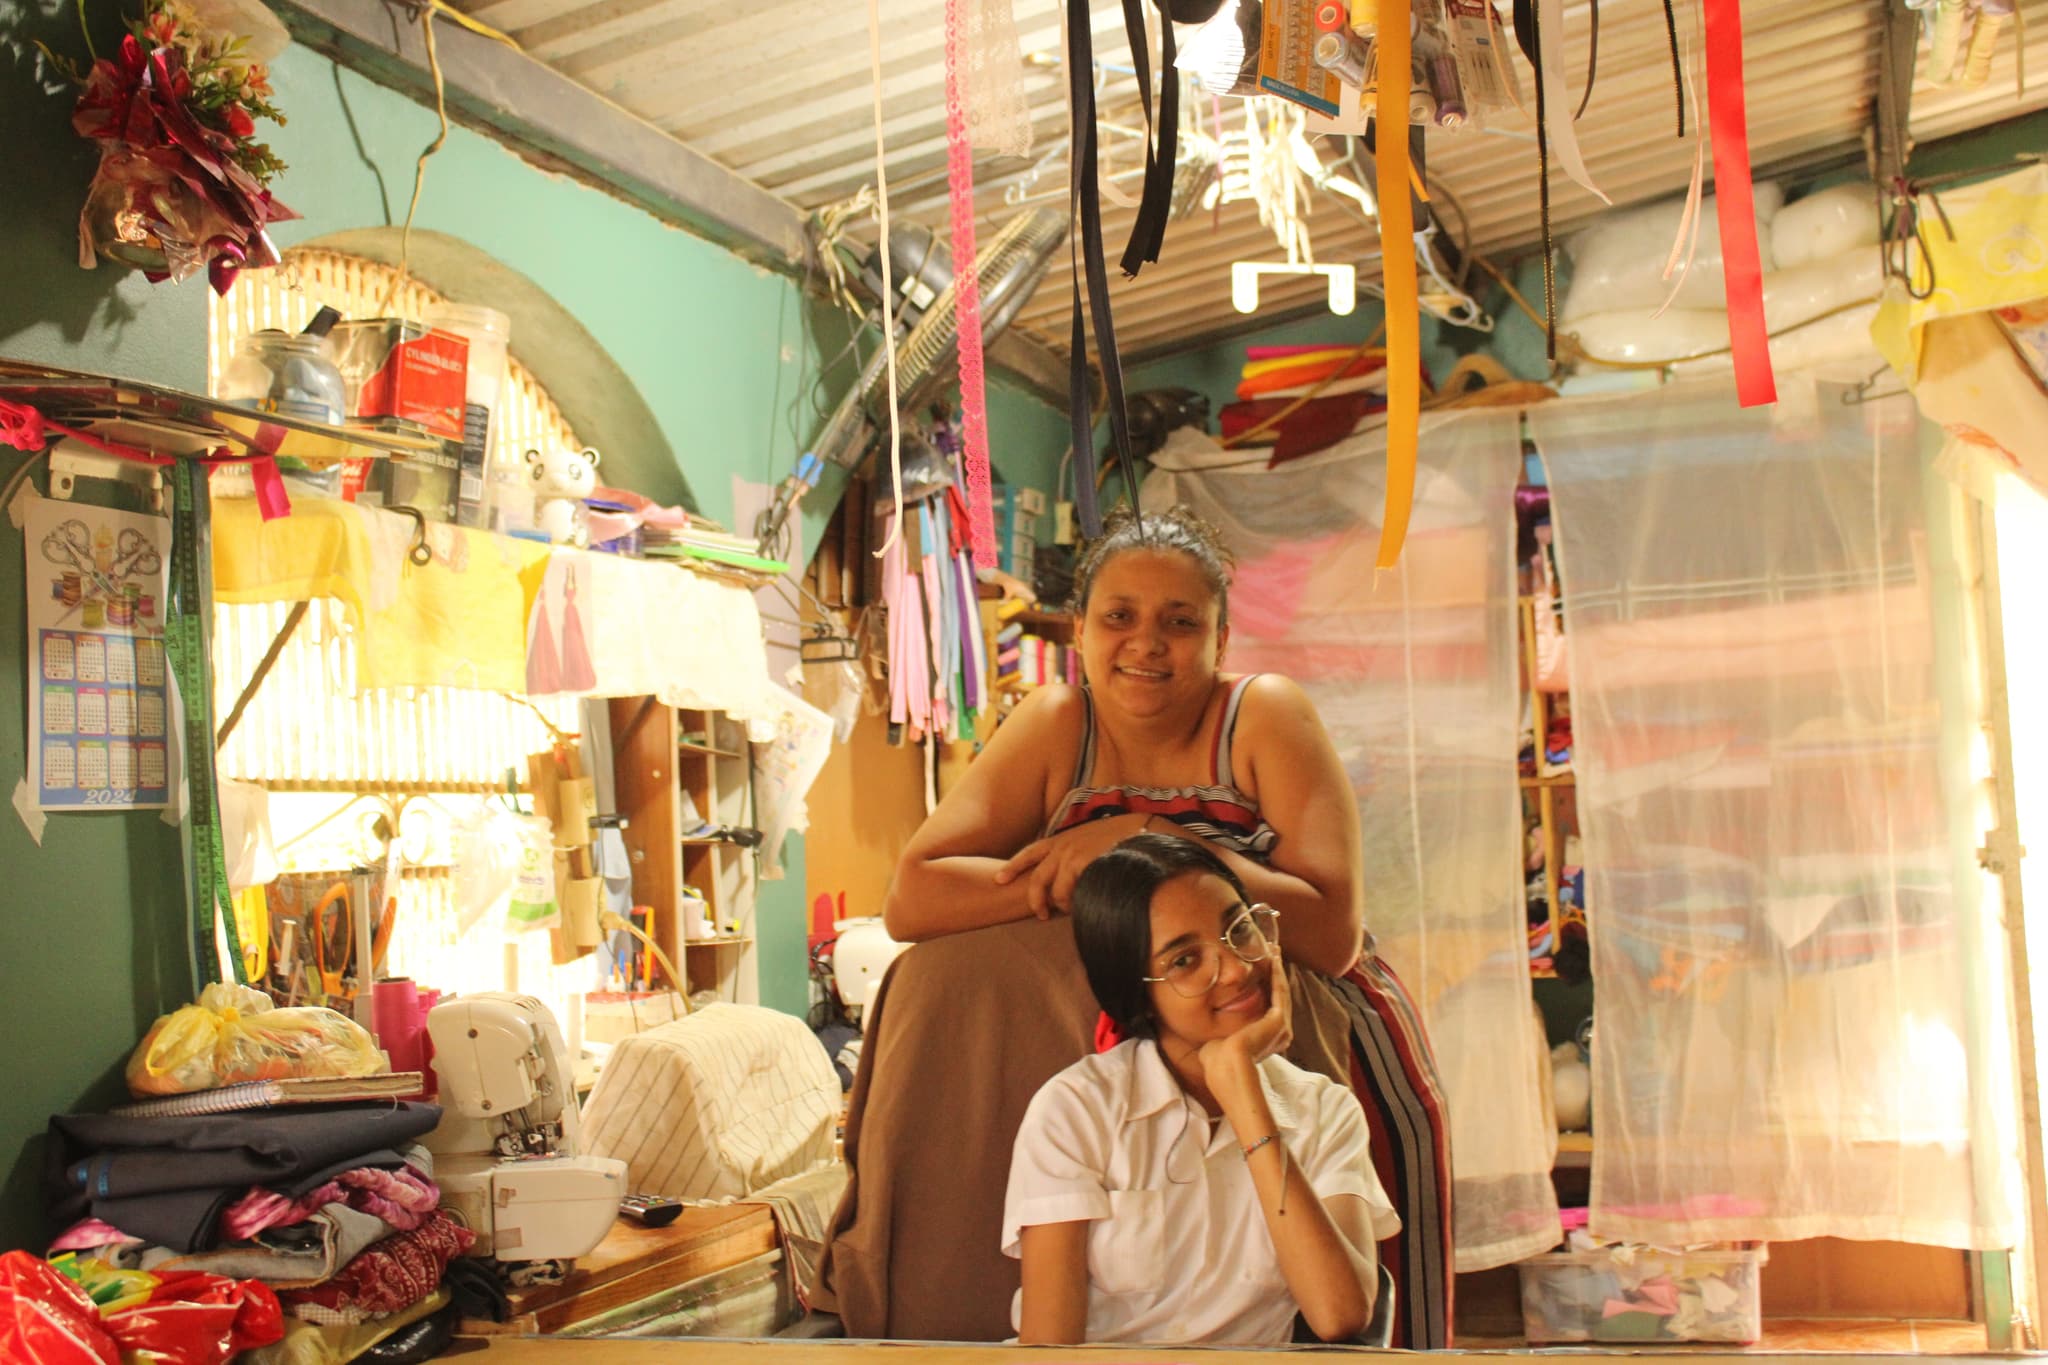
[(1379, 1329)]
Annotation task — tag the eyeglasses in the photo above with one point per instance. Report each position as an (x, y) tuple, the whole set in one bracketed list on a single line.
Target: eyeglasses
[(1195, 969)]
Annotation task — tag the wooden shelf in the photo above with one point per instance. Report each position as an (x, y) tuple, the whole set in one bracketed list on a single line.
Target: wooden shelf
[(688, 746), (719, 942), (1574, 1151), (1049, 624)]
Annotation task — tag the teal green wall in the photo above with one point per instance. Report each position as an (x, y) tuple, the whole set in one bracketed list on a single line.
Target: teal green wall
[(92, 938)]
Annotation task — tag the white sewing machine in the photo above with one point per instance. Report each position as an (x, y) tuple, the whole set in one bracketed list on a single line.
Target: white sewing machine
[(506, 1151)]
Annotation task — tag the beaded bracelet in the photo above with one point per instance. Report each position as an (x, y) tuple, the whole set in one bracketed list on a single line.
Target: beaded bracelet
[(1260, 1143)]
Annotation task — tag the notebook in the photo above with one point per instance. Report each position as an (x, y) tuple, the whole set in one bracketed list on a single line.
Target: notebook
[(227, 1099)]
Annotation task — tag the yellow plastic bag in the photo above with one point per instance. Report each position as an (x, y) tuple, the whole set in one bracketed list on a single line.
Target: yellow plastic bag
[(235, 1034)]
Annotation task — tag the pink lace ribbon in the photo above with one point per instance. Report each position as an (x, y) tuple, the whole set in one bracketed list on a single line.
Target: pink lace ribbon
[(967, 292)]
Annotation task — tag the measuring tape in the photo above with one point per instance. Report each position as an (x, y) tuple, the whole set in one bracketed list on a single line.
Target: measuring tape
[(185, 642)]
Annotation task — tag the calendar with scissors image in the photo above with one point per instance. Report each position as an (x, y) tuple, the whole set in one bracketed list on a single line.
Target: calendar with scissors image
[(99, 700)]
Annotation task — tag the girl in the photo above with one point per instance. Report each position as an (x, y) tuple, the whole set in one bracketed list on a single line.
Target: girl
[(1189, 1185)]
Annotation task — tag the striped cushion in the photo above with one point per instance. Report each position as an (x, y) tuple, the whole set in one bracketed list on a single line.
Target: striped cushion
[(715, 1105)]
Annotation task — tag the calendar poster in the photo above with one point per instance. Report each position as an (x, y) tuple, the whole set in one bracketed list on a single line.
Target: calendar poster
[(98, 695)]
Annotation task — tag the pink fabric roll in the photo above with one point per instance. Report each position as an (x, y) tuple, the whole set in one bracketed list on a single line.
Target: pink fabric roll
[(395, 1014)]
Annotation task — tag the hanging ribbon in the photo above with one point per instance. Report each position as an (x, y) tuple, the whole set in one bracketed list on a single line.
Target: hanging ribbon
[(1086, 195), (1397, 259), (1162, 141), (1552, 93), (981, 519), (1749, 340)]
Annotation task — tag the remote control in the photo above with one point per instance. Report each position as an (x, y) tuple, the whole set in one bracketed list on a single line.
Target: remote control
[(651, 1210)]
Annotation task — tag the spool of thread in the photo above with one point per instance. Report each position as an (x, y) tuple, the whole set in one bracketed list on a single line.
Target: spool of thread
[(1332, 16), (1450, 91), (1421, 104), (396, 1017), (1343, 56), (431, 1081)]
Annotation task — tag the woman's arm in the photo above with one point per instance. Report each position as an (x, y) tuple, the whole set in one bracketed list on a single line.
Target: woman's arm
[(1326, 1253), (1054, 1311), (945, 880), (1316, 876)]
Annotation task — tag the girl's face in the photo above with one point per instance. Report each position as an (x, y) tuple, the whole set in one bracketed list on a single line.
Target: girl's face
[(1148, 637), (1189, 916)]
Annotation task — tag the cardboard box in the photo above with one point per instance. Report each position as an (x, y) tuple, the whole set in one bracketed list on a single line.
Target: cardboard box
[(399, 370)]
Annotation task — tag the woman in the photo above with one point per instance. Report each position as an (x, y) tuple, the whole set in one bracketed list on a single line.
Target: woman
[(971, 1024), (1136, 1221)]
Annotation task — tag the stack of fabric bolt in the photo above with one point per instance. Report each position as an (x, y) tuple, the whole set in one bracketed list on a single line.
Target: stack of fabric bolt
[(1312, 397), (333, 1206)]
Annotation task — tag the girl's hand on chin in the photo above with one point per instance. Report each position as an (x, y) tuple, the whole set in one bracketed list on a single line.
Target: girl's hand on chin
[(1267, 1036)]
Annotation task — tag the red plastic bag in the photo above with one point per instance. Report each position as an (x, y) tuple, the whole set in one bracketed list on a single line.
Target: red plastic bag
[(45, 1319), (198, 1319)]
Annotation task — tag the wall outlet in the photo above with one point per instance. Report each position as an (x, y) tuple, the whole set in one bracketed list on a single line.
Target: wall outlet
[(1063, 523)]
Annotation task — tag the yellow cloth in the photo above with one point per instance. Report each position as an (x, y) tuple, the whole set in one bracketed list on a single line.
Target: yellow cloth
[(458, 621), (1999, 256), (1949, 349)]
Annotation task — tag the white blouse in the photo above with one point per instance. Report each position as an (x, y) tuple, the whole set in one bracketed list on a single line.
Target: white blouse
[(1179, 1252)]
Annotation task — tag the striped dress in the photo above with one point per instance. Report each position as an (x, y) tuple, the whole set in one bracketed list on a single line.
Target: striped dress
[(1363, 1028)]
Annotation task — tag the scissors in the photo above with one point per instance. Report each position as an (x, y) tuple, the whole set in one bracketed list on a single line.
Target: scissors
[(335, 981), (69, 546), (134, 554), (331, 977)]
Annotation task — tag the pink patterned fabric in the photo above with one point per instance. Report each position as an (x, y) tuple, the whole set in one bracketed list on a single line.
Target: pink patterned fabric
[(393, 1274), (403, 1198), (967, 291)]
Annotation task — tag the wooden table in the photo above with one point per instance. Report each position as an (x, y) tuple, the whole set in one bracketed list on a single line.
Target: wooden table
[(635, 1261), (540, 1351)]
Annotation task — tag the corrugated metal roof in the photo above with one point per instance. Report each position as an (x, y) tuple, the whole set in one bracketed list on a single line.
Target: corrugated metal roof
[(779, 92)]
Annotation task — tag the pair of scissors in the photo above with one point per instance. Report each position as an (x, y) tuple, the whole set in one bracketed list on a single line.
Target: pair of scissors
[(134, 554), (332, 976)]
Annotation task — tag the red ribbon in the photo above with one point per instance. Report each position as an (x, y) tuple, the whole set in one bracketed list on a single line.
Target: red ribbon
[(1749, 340), (25, 428)]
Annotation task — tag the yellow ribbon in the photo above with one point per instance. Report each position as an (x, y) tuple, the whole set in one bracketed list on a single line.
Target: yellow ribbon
[(1397, 247)]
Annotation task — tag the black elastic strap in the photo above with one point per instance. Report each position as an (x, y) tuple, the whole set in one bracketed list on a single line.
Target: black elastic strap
[(1528, 32), (1148, 231), (1677, 69), (1084, 189), (1592, 59)]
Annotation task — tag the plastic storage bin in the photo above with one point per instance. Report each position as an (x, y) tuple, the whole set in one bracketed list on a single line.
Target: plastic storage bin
[(1639, 1295)]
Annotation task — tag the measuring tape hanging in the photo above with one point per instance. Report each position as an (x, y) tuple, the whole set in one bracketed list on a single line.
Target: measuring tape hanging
[(1397, 259), (185, 635)]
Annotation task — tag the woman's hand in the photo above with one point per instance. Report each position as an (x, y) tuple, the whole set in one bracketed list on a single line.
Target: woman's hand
[(1236, 1057), (1050, 867)]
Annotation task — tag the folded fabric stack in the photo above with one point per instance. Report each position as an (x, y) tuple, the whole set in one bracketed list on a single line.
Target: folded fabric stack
[(1348, 384), (332, 1206)]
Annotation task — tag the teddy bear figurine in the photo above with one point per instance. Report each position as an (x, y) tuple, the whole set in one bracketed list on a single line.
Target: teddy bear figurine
[(562, 479)]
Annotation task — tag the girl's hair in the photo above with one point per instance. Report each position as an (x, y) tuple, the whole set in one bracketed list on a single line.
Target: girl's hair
[(1113, 920), (1177, 528)]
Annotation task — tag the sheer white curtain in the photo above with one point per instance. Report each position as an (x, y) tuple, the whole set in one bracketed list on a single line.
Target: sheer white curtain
[(1793, 1018), (1414, 674)]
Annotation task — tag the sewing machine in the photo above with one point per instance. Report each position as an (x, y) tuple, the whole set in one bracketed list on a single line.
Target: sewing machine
[(506, 1151)]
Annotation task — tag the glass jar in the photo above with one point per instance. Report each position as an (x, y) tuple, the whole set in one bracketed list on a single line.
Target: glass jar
[(288, 373)]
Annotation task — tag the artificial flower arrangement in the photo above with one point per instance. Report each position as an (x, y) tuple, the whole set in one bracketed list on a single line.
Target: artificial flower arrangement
[(182, 180)]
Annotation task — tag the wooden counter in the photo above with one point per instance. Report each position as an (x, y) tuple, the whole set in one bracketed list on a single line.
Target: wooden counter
[(539, 1351)]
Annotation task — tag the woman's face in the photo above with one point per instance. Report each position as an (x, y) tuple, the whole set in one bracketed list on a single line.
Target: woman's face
[(1148, 636), (1189, 915)]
